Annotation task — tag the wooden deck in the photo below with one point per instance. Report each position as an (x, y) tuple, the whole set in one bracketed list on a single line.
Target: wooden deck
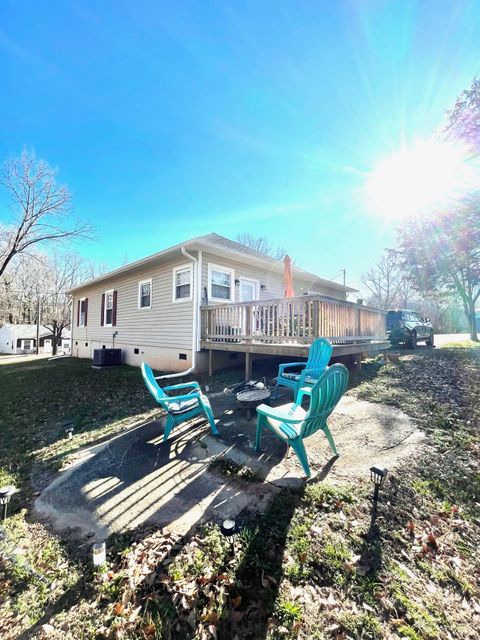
[(286, 327)]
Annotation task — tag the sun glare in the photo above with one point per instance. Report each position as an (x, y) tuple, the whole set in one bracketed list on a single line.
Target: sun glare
[(418, 179)]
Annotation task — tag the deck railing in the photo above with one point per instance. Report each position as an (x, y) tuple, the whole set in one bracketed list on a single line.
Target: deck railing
[(292, 320)]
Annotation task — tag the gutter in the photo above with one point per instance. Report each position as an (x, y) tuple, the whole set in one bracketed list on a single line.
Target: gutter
[(196, 281)]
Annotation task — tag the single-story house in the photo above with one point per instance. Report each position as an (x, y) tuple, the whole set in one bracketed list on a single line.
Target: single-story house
[(22, 338), (156, 309)]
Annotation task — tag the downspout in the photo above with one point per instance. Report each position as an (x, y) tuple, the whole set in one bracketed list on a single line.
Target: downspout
[(195, 284)]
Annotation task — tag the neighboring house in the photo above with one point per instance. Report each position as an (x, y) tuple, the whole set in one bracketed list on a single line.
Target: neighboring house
[(22, 338), (151, 308)]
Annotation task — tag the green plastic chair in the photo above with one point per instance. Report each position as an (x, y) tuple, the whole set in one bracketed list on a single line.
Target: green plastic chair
[(319, 356), (179, 408), (292, 424)]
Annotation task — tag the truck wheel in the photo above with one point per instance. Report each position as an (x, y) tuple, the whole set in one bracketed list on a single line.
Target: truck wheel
[(412, 341), (429, 341)]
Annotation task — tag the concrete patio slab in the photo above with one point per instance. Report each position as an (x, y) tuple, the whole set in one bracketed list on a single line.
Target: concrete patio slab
[(365, 433), (135, 478)]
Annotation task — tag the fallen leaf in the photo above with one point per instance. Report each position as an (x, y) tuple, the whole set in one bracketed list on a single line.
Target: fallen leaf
[(236, 602), (211, 617), (432, 542), (149, 629)]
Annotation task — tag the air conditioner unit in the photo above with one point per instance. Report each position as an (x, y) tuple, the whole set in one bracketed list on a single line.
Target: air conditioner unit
[(107, 357)]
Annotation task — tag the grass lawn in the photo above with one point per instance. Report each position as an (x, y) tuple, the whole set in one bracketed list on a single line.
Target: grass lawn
[(317, 565)]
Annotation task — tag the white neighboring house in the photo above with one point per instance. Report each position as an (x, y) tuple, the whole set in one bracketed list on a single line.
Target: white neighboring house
[(22, 338)]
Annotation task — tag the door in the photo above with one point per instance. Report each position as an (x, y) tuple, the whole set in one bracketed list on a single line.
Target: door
[(47, 346), (248, 290)]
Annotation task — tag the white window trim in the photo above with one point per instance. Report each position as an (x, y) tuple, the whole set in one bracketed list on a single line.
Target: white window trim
[(182, 267), (257, 286), (81, 323), (105, 323), (218, 267), (140, 282)]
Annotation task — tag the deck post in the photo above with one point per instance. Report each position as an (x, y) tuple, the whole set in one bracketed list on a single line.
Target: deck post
[(358, 362), (316, 318), (248, 365), (210, 363), (248, 323)]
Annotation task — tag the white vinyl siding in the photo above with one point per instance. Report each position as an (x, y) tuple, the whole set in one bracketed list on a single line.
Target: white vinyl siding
[(271, 283), (165, 325)]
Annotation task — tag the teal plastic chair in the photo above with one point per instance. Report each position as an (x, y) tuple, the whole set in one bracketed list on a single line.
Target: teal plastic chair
[(292, 424), (319, 356), (179, 408)]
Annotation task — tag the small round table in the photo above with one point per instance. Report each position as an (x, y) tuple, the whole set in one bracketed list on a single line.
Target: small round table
[(250, 400)]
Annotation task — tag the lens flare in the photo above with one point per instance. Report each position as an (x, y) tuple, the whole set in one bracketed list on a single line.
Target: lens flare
[(418, 179)]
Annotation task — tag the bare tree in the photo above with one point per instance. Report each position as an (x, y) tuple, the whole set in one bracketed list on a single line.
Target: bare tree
[(64, 272), (387, 283), (262, 245), (20, 287), (38, 282), (41, 208), (93, 269)]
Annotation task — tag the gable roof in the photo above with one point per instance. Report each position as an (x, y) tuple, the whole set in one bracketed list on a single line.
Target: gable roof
[(217, 243), (221, 241)]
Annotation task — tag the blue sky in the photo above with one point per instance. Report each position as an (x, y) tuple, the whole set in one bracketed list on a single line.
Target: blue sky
[(169, 120)]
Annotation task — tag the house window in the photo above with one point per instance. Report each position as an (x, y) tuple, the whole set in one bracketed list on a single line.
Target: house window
[(182, 283), (82, 312), (220, 281), (108, 311), (145, 294)]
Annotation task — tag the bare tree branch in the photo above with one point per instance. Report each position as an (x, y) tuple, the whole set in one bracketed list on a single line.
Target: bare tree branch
[(41, 209), (262, 245)]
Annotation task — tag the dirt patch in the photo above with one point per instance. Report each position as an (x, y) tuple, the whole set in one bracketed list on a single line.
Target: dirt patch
[(365, 433)]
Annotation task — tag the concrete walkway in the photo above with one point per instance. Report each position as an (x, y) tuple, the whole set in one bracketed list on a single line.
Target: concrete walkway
[(136, 478)]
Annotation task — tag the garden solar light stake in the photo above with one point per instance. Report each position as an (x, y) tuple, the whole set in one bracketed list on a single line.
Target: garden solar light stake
[(5, 494), (229, 529), (377, 476), (99, 553)]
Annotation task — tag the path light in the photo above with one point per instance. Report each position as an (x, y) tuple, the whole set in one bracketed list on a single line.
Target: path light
[(377, 476), (69, 430), (99, 553), (5, 494), (229, 527), (229, 530)]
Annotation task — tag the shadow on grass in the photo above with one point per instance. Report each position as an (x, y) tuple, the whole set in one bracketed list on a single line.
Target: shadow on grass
[(257, 579)]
